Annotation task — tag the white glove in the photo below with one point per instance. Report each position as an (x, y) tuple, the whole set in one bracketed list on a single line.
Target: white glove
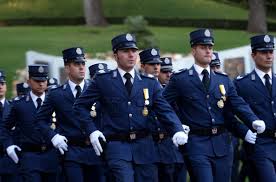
[(180, 138), (250, 137), (59, 142), (94, 139), (259, 125), (12, 154), (186, 129)]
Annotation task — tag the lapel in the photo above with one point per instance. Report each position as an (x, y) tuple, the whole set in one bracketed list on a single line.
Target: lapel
[(213, 82), (137, 85), (258, 84), (118, 83), (67, 92), (194, 78), (273, 85), (6, 106), (30, 103)]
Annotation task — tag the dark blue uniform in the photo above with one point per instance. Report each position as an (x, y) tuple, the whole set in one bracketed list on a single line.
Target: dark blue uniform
[(37, 156), (80, 153), (262, 154), (208, 157), (9, 171), (131, 158)]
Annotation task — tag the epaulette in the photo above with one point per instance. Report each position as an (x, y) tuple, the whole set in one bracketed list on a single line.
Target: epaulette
[(180, 71), (147, 75), (18, 98), (102, 73), (240, 77), (221, 73)]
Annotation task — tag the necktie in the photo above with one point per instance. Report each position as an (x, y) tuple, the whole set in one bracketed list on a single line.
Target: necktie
[(128, 83), (206, 79), (1, 109), (78, 88), (38, 101), (268, 84)]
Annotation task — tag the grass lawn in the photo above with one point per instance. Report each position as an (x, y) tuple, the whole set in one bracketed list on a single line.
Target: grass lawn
[(121, 8), (51, 40)]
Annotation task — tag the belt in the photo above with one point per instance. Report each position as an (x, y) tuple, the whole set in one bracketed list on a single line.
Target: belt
[(159, 136), (268, 133), (208, 131), (35, 148), (79, 142), (128, 137)]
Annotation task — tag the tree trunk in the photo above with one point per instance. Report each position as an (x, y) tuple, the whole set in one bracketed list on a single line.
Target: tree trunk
[(257, 16), (93, 13)]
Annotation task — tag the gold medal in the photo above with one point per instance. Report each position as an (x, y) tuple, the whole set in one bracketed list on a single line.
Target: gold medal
[(220, 104), (145, 111)]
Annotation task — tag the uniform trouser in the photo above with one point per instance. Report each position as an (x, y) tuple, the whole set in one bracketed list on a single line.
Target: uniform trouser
[(175, 172), (77, 172), (264, 168), (204, 168), (39, 177), (127, 171)]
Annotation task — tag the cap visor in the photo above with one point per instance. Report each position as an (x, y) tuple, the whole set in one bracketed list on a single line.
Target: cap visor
[(39, 78)]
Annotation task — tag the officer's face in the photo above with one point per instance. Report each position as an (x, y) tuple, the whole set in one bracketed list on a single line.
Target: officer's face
[(153, 69), (202, 54), (164, 77), (3, 89), (38, 87), (76, 71), (126, 58), (216, 68), (263, 59)]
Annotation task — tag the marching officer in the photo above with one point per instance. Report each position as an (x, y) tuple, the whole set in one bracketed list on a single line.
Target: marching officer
[(22, 88), (200, 95), (165, 71), (38, 159), (97, 68), (215, 63), (168, 155), (79, 160), (258, 89), (9, 171), (127, 98)]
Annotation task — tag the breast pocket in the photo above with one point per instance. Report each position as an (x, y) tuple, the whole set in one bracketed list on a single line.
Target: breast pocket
[(113, 105)]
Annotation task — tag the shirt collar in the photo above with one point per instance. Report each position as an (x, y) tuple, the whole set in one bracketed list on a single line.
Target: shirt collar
[(122, 72), (34, 97), (73, 85), (261, 74), (3, 101), (199, 69)]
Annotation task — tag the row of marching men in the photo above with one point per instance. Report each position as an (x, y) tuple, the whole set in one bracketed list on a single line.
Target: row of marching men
[(129, 118), (29, 154)]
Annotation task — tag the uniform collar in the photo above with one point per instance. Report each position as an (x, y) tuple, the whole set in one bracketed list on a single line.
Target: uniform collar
[(73, 85), (34, 97), (3, 101), (122, 72), (261, 74), (199, 69)]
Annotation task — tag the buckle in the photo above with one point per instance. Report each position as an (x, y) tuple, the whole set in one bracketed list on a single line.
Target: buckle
[(214, 131), (132, 136), (43, 148)]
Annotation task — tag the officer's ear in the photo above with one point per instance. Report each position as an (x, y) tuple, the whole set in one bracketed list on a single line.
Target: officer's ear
[(193, 50), (115, 54)]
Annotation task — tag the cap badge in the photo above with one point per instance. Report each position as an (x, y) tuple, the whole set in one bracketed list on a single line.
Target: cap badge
[(51, 81), (153, 52), (266, 38), (207, 33), (78, 51), (25, 85), (167, 61), (40, 69), (101, 66), (129, 37)]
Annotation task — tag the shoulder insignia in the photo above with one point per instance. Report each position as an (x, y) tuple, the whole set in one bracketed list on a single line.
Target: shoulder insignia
[(221, 73), (240, 77), (147, 75), (179, 71)]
